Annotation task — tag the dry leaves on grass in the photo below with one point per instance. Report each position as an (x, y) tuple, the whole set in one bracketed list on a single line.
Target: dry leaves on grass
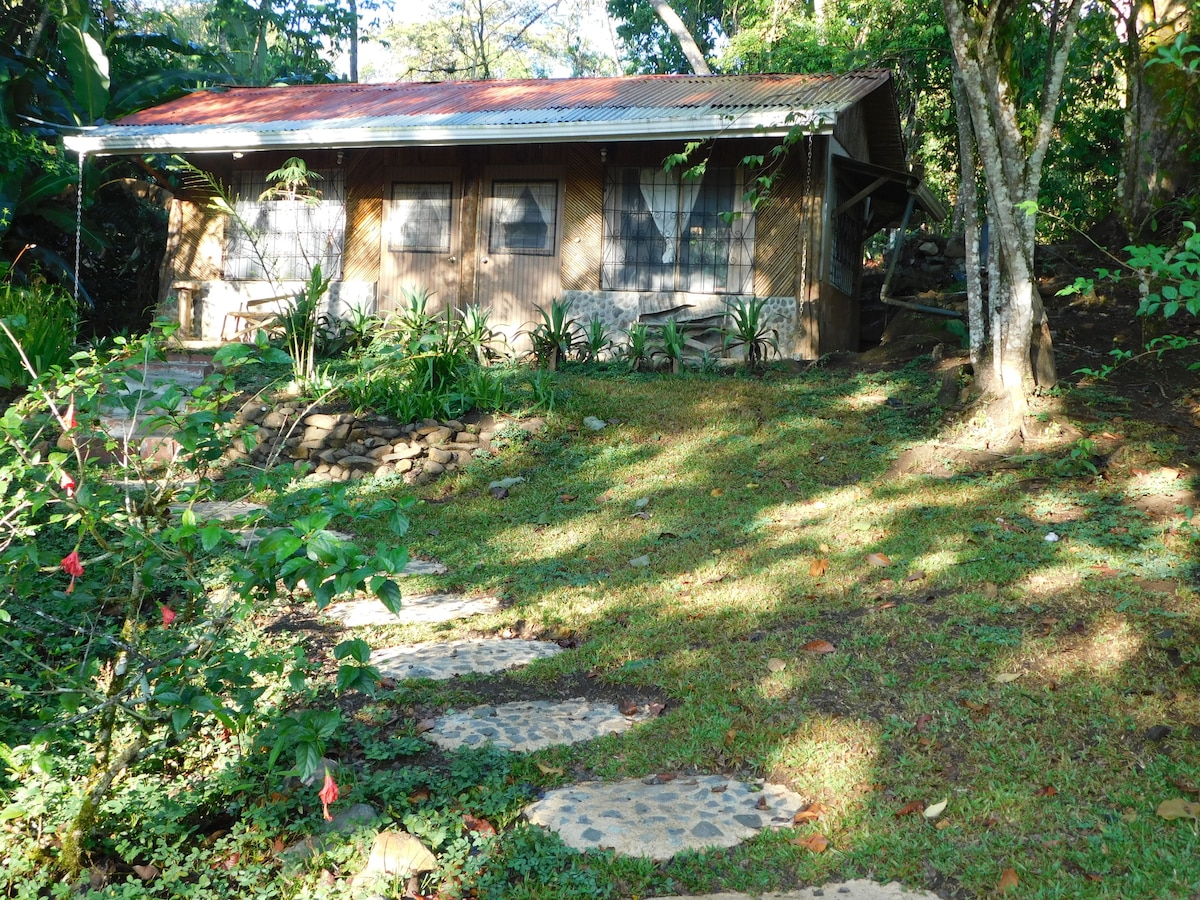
[(879, 560), (932, 812), (819, 647), (818, 568), (1006, 677), (1178, 809), (550, 770), (1008, 881), (810, 813), (911, 808), (817, 843)]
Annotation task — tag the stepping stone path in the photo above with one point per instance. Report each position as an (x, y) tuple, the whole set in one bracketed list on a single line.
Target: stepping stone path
[(659, 819), (442, 660), (656, 817), (531, 725), (426, 609)]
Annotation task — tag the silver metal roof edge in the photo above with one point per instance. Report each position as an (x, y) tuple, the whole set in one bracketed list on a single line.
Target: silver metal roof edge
[(115, 140)]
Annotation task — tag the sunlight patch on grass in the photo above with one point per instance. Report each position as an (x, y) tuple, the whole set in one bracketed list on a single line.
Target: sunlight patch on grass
[(828, 758)]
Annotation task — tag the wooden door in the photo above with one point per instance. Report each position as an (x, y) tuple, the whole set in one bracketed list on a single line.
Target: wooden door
[(520, 230), (421, 237)]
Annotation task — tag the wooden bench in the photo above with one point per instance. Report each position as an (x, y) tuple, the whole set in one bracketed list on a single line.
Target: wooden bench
[(252, 318)]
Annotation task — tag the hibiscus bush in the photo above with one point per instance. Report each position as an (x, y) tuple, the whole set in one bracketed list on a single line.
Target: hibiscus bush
[(128, 624)]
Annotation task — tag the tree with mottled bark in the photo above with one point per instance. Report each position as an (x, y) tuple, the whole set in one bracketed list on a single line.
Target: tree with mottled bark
[(1011, 123), (680, 32)]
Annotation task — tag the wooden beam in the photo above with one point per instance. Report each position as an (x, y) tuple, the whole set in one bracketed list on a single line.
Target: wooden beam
[(865, 192)]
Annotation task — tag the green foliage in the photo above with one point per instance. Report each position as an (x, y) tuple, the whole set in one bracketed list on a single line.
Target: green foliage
[(115, 648), (556, 336), (748, 330), (595, 341), (672, 337), (637, 346), (304, 328), (44, 322), (1079, 460)]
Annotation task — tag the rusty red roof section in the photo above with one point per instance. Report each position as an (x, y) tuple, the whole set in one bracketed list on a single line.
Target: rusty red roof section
[(607, 97)]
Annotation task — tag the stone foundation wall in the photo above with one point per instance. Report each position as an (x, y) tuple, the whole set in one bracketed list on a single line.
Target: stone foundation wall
[(620, 309)]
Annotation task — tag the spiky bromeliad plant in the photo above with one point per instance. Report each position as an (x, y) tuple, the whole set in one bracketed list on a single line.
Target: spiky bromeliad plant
[(747, 328)]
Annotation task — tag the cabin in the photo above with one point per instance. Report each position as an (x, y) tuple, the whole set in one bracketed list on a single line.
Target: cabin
[(513, 194)]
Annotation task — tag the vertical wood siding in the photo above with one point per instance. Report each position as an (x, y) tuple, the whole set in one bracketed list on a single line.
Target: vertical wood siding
[(364, 215), (583, 219), (778, 233)]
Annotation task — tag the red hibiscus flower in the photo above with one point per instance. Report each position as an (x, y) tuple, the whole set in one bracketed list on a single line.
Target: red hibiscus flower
[(168, 615), (329, 793), (73, 567), (67, 484)]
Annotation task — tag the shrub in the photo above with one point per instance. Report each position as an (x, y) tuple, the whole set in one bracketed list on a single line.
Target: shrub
[(43, 318)]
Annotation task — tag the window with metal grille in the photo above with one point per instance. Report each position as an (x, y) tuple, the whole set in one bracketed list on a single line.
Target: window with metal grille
[(524, 217), (419, 220), (846, 253), (288, 237), (663, 232)]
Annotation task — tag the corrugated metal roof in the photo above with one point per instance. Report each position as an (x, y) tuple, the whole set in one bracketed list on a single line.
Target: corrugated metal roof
[(357, 115)]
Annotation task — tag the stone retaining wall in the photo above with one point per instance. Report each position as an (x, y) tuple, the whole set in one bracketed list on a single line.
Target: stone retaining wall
[(345, 447)]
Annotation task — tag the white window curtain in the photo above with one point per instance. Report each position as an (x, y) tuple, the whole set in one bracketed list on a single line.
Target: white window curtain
[(661, 194)]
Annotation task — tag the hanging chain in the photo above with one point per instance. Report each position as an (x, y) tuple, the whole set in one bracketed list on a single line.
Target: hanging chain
[(78, 224)]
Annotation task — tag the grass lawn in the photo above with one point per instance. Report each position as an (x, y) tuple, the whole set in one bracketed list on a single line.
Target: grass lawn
[(759, 556), (1024, 681)]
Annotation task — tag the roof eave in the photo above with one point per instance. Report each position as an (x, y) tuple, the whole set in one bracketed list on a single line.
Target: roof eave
[(118, 140)]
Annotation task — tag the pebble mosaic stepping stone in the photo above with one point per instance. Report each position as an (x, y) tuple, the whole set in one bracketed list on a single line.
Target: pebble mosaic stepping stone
[(220, 510), (859, 889), (660, 819), (429, 608), (531, 725), (424, 567), (440, 660)]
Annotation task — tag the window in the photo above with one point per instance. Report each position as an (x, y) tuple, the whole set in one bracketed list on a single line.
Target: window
[(663, 232), (524, 217), (419, 219), (289, 236), (846, 253)]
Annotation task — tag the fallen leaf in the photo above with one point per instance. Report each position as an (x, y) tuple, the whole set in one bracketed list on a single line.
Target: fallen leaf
[(730, 737), (1188, 787), (976, 707), (879, 560), (1178, 809), (481, 826), (810, 813), (818, 568), (788, 485), (1008, 880), (1006, 677), (567, 498), (426, 725), (910, 808), (664, 777), (751, 486), (823, 548), (936, 810), (715, 492), (762, 804), (420, 795), (551, 770), (886, 604), (775, 665), (816, 843), (1129, 816), (719, 789), (819, 647), (942, 823), (1047, 791), (656, 709), (918, 575), (147, 872), (629, 708), (277, 846), (922, 722)]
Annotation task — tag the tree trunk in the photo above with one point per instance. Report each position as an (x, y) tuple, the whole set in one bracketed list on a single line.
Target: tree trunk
[(968, 161), (1156, 167), (354, 41), (687, 43), (1012, 166)]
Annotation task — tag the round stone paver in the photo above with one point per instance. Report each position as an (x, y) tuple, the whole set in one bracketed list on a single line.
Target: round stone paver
[(441, 660), (660, 819), (220, 510), (425, 609), (859, 889), (531, 725)]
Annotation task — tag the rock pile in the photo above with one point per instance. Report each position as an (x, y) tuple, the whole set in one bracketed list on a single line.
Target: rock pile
[(345, 447)]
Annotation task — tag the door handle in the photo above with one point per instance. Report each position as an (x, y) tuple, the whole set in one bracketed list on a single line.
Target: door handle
[(484, 260), (451, 259)]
